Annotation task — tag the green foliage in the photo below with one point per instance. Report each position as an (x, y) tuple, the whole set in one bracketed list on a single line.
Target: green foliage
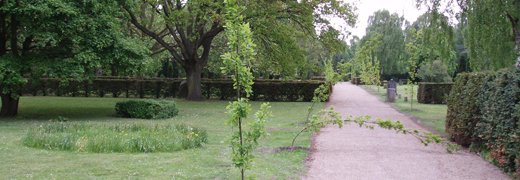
[(390, 52), (491, 34), (118, 138), (366, 63), (189, 31), (414, 57), (433, 93), (434, 72), (330, 74), (483, 111), (147, 109), (63, 38), (499, 125), (463, 107)]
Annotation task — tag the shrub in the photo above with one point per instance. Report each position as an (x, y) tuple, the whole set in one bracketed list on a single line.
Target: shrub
[(463, 107), (484, 111), (147, 109), (434, 72), (433, 93), (499, 129), (103, 138)]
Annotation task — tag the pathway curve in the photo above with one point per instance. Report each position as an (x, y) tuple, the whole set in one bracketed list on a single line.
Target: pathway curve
[(360, 153)]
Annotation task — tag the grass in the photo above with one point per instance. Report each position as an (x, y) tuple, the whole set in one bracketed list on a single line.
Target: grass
[(136, 137), (212, 161), (433, 115)]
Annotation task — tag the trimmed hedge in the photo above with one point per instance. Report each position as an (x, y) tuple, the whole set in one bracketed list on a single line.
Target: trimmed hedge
[(268, 90), (433, 93), (463, 107), (484, 111), (147, 109)]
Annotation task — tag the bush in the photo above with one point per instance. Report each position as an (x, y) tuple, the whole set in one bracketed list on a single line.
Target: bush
[(484, 111), (103, 138), (433, 93), (463, 107), (499, 129), (147, 109), (434, 72)]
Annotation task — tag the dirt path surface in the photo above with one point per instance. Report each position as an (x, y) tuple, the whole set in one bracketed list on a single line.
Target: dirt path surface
[(360, 153)]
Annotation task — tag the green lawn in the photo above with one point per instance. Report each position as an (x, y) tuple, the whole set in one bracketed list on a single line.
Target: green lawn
[(210, 162), (433, 115)]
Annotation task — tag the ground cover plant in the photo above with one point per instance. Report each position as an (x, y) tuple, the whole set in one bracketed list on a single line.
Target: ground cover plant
[(433, 115), (211, 161)]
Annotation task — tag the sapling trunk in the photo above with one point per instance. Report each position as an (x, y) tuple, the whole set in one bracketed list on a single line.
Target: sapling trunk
[(299, 134), (310, 110), (237, 77)]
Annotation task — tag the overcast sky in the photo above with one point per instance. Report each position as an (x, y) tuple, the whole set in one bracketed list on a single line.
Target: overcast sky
[(368, 7)]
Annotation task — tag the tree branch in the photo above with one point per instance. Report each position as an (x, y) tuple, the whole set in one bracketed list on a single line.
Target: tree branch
[(182, 41), (153, 35)]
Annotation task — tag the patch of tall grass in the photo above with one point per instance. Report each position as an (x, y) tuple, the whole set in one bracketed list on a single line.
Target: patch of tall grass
[(104, 138)]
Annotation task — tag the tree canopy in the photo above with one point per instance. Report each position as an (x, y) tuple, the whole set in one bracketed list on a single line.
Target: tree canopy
[(391, 53), (492, 32), (189, 27), (68, 39)]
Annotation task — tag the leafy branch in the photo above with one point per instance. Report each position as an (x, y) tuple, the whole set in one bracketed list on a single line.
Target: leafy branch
[(425, 137), (329, 116)]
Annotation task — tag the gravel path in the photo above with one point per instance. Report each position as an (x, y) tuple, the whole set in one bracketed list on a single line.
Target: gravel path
[(360, 153)]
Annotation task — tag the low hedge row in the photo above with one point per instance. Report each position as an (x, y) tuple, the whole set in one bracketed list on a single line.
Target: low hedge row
[(268, 90), (484, 112), (433, 93)]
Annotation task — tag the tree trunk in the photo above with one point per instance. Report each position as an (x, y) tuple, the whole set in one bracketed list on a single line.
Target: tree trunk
[(114, 69), (193, 79), (9, 105)]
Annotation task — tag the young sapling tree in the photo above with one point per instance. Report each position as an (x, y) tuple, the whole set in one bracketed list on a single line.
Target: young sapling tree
[(240, 42)]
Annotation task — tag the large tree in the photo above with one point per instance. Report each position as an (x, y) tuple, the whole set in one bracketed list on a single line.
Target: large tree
[(68, 39), (432, 39), (492, 34), (189, 28), (391, 53)]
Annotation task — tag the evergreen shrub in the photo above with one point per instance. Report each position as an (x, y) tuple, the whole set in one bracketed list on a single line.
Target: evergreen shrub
[(147, 109), (463, 107), (484, 111)]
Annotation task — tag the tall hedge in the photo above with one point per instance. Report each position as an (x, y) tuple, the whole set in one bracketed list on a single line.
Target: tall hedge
[(463, 107), (484, 111), (268, 90), (499, 127), (433, 93)]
